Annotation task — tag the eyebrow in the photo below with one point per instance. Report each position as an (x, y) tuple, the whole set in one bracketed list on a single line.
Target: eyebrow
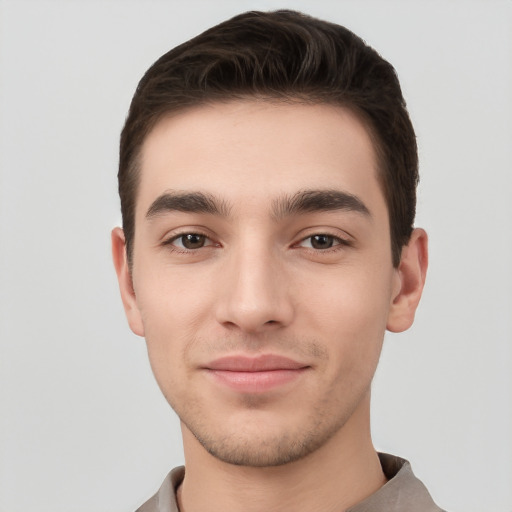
[(308, 201), (305, 201), (188, 202)]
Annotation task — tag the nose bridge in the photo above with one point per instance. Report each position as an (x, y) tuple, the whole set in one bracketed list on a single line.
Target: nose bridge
[(255, 295)]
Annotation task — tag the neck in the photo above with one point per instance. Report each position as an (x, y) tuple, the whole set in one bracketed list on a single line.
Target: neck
[(341, 473)]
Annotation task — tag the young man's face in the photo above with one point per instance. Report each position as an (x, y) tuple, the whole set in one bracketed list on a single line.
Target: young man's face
[(262, 274)]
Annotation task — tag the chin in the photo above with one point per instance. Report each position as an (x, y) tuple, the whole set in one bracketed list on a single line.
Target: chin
[(256, 446), (258, 452)]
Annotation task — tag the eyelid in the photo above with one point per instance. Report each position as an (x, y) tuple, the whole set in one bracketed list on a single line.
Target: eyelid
[(342, 237), (169, 239), (339, 241)]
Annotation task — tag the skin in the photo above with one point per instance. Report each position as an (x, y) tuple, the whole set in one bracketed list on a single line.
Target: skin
[(316, 286)]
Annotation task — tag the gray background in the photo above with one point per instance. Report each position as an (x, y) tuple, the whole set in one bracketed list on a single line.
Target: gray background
[(82, 424)]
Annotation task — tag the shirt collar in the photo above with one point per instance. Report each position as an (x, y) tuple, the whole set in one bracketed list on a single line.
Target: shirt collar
[(402, 493)]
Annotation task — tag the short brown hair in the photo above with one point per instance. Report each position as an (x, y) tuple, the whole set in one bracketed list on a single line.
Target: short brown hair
[(283, 55)]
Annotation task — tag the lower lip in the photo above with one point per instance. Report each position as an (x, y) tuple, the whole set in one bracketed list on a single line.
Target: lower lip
[(256, 382)]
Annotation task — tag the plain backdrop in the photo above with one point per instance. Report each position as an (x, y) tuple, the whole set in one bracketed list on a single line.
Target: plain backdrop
[(82, 423)]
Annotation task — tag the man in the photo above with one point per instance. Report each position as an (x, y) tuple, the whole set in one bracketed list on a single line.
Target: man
[(267, 178)]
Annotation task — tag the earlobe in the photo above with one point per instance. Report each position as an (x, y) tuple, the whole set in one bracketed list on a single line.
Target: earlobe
[(411, 274), (124, 278)]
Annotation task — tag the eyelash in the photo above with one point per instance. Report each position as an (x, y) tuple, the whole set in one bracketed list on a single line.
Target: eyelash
[(169, 242), (339, 243)]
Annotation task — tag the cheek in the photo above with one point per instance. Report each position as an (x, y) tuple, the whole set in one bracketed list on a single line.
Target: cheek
[(170, 298), (172, 310), (350, 314), (353, 298)]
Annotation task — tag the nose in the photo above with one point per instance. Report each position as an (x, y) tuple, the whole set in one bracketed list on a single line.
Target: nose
[(255, 293)]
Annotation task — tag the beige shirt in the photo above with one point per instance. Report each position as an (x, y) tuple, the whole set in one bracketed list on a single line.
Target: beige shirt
[(402, 493)]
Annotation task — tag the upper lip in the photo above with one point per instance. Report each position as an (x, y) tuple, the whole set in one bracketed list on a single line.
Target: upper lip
[(261, 363)]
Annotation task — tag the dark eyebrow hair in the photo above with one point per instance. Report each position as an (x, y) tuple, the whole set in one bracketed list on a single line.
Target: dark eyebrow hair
[(317, 201), (189, 202)]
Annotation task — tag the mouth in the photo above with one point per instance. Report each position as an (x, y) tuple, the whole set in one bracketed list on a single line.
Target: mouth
[(255, 374)]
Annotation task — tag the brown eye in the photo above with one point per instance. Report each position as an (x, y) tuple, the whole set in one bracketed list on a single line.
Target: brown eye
[(189, 242), (192, 241), (321, 241)]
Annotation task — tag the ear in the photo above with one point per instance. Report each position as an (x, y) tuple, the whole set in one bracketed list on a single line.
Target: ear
[(124, 278), (410, 279)]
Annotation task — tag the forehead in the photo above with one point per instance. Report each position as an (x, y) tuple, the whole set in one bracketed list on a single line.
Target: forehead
[(254, 151)]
